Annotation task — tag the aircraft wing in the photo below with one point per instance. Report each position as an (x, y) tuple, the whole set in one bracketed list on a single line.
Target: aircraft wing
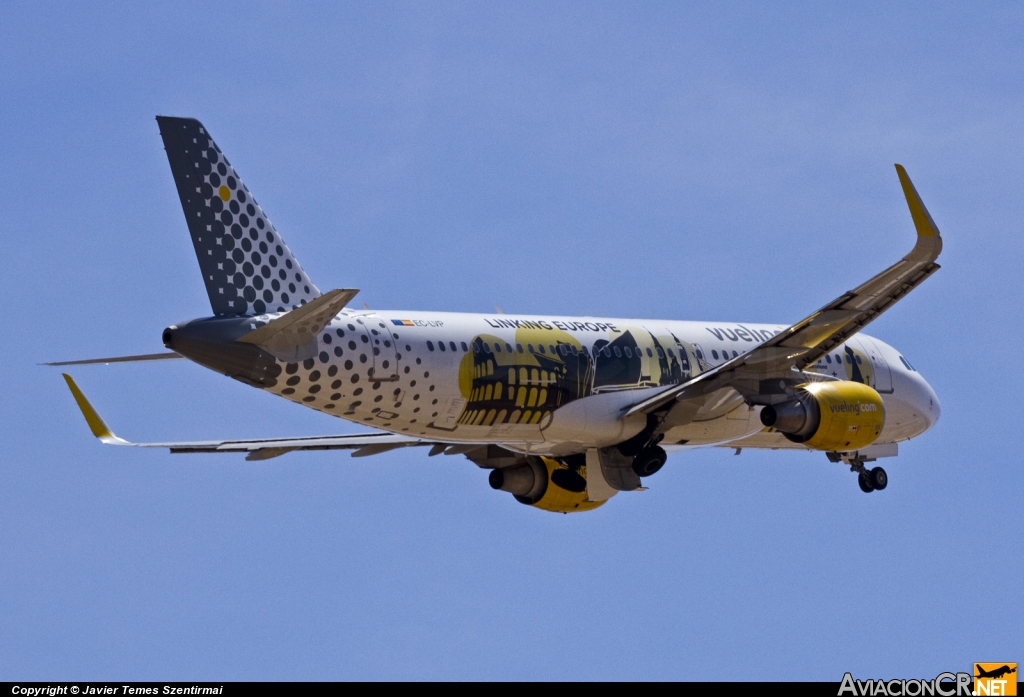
[(362, 444), (808, 340)]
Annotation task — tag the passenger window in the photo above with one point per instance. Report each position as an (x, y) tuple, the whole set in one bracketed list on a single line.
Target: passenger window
[(540, 347), (430, 345), (858, 360), (661, 354), (497, 347), (529, 347), (583, 350), (828, 358), (440, 345), (650, 354), (849, 360), (508, 347), (628, 351), (552, 349), (563, 349), (700, 354), (607, 352), (465, 349), (451, 344), (714, 354), (519, 348), (735, 355)]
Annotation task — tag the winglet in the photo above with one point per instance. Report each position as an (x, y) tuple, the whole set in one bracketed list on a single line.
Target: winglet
[(96, 425), (926, 227)]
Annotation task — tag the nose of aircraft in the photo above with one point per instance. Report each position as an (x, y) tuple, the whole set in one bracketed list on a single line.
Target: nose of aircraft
[(922, 400), (912, 408), (929, 401)]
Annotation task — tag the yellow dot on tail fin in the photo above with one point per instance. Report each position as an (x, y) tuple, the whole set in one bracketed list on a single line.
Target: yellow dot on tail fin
[(224, 192)]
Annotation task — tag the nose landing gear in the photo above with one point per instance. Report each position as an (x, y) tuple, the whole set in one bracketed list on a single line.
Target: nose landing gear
[(874, 479)]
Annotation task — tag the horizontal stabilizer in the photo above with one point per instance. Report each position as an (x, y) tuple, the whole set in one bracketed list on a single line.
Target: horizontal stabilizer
[(292, 336), (122, 359)]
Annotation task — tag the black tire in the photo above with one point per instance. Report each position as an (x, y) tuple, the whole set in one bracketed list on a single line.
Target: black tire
[(879, 479), (865, 483), (649, 461)]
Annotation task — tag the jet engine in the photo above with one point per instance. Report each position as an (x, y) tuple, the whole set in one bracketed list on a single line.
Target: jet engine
[(838, 416), (557, 485)]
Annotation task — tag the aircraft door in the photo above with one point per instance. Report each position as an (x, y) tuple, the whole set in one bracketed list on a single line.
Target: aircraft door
[(883, 376), (385, 354)]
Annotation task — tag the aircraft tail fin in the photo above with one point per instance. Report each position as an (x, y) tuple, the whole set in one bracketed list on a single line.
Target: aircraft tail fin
[(246, 266)]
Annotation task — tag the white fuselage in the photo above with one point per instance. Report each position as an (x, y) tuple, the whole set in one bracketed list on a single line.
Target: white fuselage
[(557, 385)]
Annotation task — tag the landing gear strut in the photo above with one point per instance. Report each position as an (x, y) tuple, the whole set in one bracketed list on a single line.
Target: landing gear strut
[(869, 480)]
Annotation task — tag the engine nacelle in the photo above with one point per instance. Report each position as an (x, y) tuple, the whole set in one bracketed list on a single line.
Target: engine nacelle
[(553, 485), (839, 416)]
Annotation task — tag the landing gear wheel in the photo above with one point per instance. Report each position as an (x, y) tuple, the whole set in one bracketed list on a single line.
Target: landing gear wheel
[(879, 479), (649, 461), (864, 479)]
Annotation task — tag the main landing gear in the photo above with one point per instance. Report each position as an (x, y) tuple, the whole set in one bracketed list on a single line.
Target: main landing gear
[(649, 460), (874, 479)]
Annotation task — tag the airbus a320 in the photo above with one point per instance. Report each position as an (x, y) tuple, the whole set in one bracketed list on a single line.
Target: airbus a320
[(564, 412)]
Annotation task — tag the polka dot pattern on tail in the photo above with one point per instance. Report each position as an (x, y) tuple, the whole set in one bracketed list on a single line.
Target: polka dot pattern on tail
[(230, 232)]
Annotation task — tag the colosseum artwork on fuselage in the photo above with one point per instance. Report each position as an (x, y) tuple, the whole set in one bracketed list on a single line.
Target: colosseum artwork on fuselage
[(521, 383)]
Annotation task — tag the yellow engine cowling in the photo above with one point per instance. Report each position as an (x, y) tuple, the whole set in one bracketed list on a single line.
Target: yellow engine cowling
[(839, 416), (546, 483)]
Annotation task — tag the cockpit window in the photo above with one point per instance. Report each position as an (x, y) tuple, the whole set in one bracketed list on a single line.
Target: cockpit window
[(905, 362)]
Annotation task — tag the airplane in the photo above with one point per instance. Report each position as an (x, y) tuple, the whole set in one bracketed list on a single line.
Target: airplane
[(995, 673), (564, 412)]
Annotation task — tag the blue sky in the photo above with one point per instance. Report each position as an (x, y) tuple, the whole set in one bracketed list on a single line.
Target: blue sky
[(716, 162)]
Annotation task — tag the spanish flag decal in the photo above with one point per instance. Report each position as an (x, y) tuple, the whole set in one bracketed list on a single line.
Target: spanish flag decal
[(402, 323)]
